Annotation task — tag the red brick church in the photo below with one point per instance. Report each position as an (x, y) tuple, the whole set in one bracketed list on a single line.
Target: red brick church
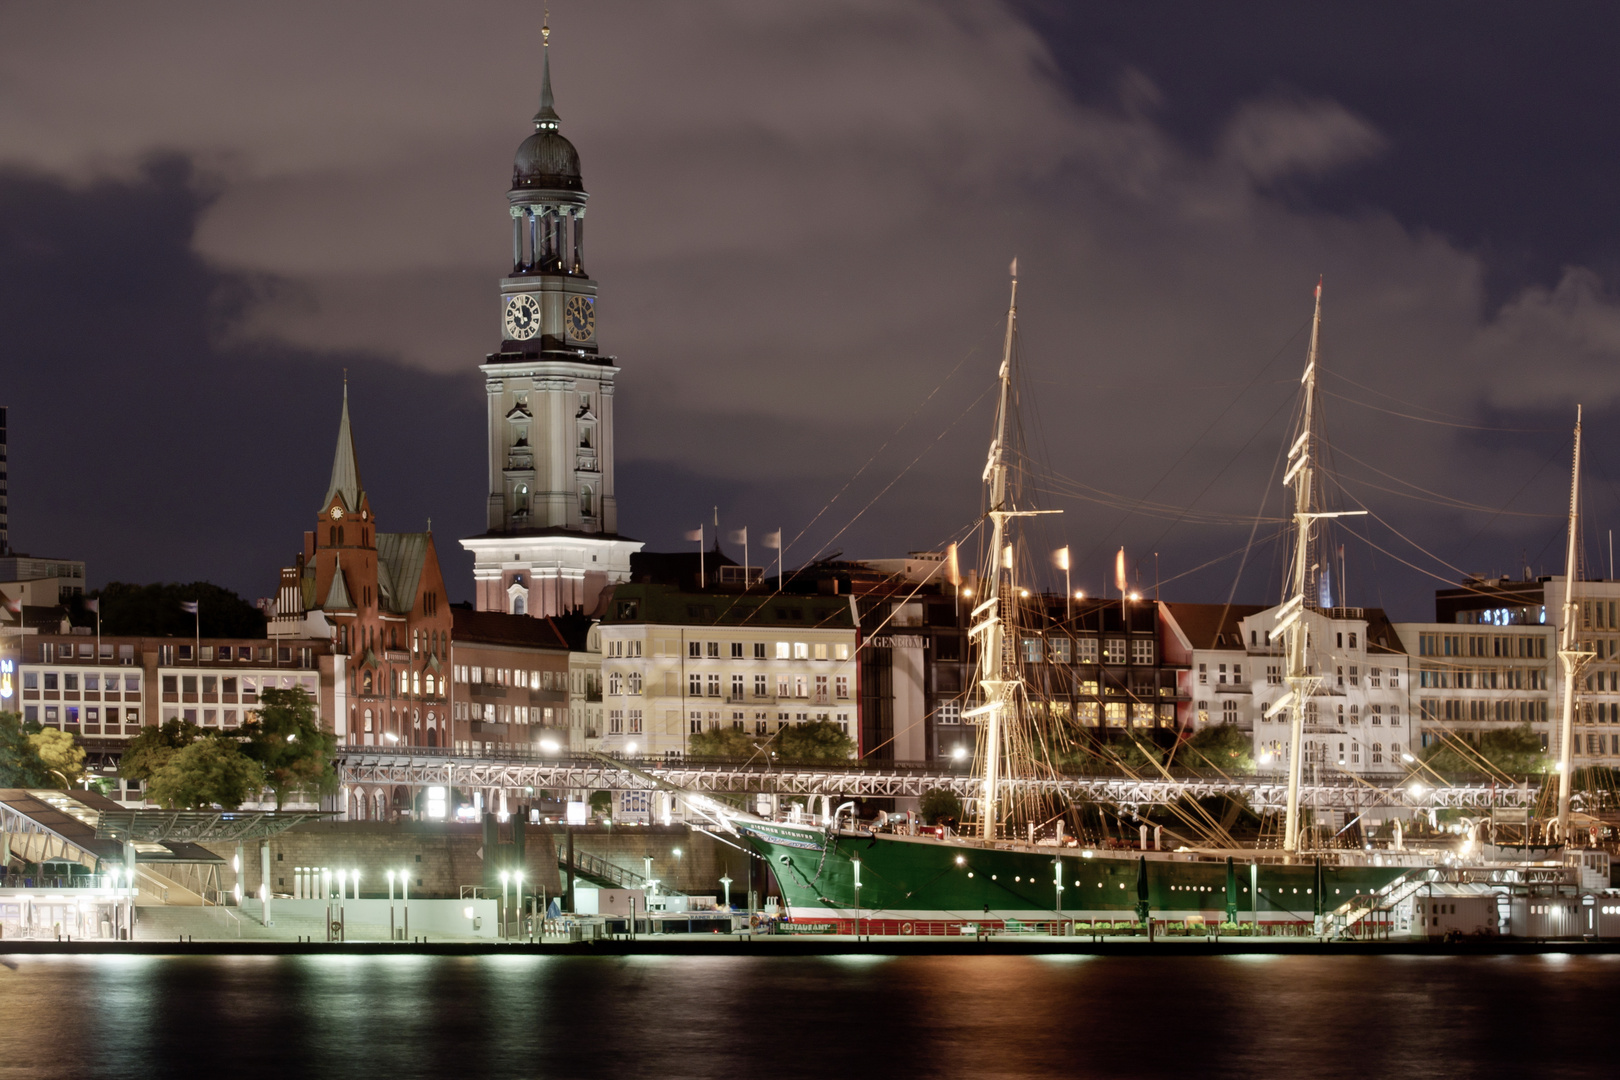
[(380, 598)]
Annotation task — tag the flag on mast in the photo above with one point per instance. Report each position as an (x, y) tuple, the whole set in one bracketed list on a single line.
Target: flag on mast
[(740, 536), (697, 534), (1119, 571), (189, 607), (953, 568), (1062, 557), (773, 540)]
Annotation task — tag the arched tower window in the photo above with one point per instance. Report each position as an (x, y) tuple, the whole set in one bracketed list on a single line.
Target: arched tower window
[(587, 501), (519, 606)]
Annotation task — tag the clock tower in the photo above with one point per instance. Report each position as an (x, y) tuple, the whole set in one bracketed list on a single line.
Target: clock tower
[(551, 543)]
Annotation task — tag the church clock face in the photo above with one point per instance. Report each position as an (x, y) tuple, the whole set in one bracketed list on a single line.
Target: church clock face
[(581, 318), (522, 317)]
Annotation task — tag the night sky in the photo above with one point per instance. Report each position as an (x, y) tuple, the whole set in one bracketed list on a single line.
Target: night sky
[(801, 218)]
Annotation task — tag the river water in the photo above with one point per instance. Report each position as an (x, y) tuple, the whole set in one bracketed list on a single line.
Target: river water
[(780, 1017)]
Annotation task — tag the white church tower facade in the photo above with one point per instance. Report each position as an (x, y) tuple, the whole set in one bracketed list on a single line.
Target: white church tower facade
[(551, 543)]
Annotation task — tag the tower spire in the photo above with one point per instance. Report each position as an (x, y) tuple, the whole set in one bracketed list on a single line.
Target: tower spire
[(345, 465), (547, 116)]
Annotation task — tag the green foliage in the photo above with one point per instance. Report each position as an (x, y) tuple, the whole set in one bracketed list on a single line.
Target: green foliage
[(149, 750), (940, 806), (209, 772), (1515, 751), (288, 742), (61, 755), (1225, 747), (722, 743), (601, 802), (20, 765), (818, 740), (154, 611)]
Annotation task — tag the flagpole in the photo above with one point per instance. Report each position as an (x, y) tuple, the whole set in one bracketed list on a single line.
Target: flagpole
[(196, 652), (701, 575)]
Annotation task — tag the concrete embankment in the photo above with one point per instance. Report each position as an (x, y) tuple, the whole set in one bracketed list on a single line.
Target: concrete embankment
[(809, 946)]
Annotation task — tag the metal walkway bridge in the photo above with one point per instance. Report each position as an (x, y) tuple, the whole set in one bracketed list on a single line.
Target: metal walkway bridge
[(897, 779)]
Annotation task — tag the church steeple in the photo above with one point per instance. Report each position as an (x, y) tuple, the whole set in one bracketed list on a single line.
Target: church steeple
[(547, 116), (345, 466)]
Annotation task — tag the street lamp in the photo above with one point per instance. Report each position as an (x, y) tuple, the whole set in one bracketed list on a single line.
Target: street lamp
[(517, 889), (391, 934), (725, 883), (405, 887)]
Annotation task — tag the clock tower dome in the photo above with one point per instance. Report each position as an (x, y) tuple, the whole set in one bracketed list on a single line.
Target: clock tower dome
[(551, 543)]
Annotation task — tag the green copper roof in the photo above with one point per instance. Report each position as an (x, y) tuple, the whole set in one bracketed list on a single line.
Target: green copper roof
[(337, 597), (345, 466), (400, 558)]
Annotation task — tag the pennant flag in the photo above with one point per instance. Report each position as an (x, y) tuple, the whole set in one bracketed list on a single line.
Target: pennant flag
[(695, 534), (14, 606), (1119, 571), (739, 536), (1062, 557), (93, 606), (1013, 269), (953, 569), (189, 606), (1006, 557), (773, 540)]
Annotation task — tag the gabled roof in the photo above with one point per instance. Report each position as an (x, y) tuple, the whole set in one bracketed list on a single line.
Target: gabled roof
[(1212, 626), (345, 465), (400, 559), (337, 597)]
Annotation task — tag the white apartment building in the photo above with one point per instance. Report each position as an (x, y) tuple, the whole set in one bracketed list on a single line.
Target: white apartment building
[(1358, 719), (1468, 680), (677, 663)]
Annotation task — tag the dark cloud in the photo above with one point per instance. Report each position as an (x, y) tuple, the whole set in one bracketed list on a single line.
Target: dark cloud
[(801, 217)]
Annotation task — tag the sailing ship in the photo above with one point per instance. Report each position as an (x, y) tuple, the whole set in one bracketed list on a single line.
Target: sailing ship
[(840, 876)]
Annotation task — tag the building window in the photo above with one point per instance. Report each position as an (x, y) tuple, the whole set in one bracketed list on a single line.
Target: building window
[(587, 502), (633, 682), (1203, 673), (783, 651), (800, 686), (950, 712), (1141, 650), (736, 687), (1229, 712), (821, 689), (1114, 651), (695, 723), (736, 650), (1058, 650), (635, 721), (694, 649), (615, 684), (801, 650), (841, 686), (1030, 650), (713, 649), (714, 686), (759, 686), (615, 721), (694, 685), (759, 650)]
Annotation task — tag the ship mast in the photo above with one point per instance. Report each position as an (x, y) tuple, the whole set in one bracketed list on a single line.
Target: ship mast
[(998, 674), (1291, 621), (1569, 651)]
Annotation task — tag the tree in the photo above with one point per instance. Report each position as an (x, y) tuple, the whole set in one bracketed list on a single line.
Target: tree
[(940, 806), (20, 765), (722, 743), (61, 755), (149, 750), (209, 772), (288, 742), (1515, 751), (155, 611), (818, 740), (1225, 747)]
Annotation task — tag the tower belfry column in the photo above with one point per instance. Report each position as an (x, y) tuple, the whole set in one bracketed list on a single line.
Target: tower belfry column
[(551, 542)]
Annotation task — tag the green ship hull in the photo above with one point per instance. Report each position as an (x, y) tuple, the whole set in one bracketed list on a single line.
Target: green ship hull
[(914, 884)]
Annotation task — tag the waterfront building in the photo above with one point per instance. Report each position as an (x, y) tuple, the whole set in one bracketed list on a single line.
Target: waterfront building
[(1493, 662), (1205, 644), (676, 663), (1358, 719), (104, 690), (511, 684), (378, 600), (551, 543)]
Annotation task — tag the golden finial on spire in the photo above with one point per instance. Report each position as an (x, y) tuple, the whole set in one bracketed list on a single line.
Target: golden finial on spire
[(545, 28)]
